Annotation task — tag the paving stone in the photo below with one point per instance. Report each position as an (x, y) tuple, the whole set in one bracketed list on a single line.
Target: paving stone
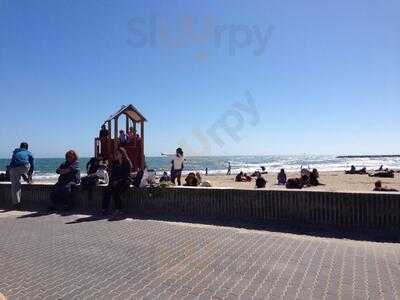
[(45, 257)]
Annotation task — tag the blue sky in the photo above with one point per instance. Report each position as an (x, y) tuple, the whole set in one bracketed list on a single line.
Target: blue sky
[(326, 82)]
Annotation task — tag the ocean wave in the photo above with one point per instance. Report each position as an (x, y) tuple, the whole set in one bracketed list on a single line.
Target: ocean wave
[(248, 164)]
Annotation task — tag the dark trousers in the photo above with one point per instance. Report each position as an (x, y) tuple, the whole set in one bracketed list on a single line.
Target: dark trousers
[(63, 194), (114, 190), (176, 175)]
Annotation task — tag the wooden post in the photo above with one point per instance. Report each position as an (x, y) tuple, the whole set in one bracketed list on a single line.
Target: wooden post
[(127, 124), (109, 129), (142, 137), (115, 134)]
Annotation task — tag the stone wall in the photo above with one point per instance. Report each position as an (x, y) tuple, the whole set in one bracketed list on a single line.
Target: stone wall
[(380, 211)]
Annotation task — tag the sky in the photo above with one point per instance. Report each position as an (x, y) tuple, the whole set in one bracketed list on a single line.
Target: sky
[(217, 77)]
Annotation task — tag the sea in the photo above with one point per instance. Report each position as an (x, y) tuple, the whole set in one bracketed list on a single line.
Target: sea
[(217, 165)]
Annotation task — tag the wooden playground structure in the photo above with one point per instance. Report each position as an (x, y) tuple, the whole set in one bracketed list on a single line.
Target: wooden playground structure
[(105, 146)]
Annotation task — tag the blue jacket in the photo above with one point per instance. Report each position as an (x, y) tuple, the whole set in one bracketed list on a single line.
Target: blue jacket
[(22, 157)]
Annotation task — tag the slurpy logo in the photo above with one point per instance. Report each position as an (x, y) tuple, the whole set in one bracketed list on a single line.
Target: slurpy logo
[(198, 33)]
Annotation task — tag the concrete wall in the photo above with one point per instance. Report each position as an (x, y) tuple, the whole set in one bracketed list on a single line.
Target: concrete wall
[(344, 210)]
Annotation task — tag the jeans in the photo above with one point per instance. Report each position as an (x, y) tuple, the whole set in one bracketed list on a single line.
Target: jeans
[(63, 194), (15, 176), (114, 190)]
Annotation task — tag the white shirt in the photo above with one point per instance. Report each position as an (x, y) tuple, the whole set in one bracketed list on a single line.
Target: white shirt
[(102, 175), (147, 179), (178, 162)]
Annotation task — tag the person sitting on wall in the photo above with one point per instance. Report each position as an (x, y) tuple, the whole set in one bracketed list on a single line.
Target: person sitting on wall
[(379, 188), (119, 181), (191, 180), (147, 179), (63, 192), (99, 177), (92, 165), (260, 181), (282, 177)]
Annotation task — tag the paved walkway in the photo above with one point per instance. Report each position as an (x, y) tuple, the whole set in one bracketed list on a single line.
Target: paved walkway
[(51, 256)]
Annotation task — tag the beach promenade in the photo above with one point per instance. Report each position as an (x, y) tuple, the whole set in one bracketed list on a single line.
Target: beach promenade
[(78, 257)]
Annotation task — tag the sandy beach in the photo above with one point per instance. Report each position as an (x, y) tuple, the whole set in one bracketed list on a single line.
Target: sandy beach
[(332, 182)]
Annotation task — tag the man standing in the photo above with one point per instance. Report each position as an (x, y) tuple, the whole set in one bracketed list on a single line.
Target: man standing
[(22, 164), (229, 169), (177, 166)]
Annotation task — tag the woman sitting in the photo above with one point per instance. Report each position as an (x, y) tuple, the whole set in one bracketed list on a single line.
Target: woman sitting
[(191, 180), (69, 178), (313, 179), (282, 177), (119, 180), (99, 177), (260, 181)]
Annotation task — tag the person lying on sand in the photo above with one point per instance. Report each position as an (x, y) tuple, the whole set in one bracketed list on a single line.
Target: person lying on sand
[(379, 188), (353, 170), (383, 174)]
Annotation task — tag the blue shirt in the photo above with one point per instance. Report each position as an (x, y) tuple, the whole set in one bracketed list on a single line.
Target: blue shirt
[(22, 157)]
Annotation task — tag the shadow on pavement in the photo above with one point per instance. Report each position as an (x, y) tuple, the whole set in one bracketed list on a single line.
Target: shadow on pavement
[(270, 226)]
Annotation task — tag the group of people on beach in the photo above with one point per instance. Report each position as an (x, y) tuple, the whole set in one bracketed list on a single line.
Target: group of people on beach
[(307, 178), (116, 176)]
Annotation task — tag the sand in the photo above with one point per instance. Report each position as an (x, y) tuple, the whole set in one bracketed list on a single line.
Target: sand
[(332, 181)]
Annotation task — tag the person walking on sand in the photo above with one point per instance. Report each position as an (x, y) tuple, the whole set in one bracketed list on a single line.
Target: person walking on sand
[(229, 169), (21, 165), (177, 166)]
